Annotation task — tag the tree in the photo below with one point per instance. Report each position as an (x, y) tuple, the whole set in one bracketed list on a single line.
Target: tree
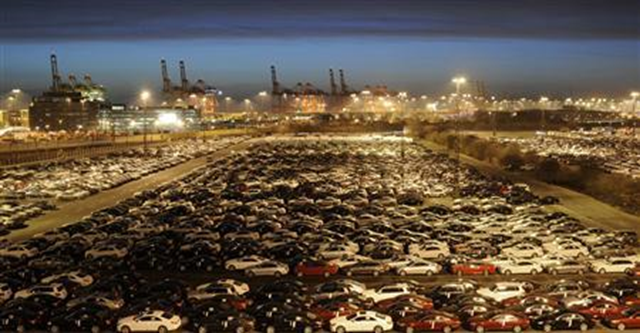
[(548, 169)]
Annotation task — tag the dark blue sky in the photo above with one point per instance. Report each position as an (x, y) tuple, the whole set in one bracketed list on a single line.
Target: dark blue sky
[(517, 47)]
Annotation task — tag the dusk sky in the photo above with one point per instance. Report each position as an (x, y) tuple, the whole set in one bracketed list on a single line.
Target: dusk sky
[(568, 47)]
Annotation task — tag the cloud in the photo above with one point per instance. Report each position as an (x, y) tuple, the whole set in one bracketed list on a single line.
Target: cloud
[(116, 20)]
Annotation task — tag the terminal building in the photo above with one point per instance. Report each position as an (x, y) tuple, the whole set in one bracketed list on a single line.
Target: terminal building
[(68, 106), (118, 119)]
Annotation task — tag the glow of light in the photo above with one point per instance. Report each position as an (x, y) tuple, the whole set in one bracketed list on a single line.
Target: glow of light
[(168, 119)]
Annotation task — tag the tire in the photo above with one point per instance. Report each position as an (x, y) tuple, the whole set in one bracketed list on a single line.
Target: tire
[(182, 268), (326, 274), (349, 273), (580, 272), (125, 329), (299, 274), (209, 268), (554, 272), (409, 330), (231, 268), (202, 329), (602, 271), (95, 329), (485, 272), (534, 272), (506, 272), (277, 274), (90, 257), (517, 329), (240, 329), (459, 273), (341, 329), (162, 329), (429, 273), (621, 327), (376, 273), (55, 329), (251, 274), (584, 327), (479, 329), (21, 329), (403, 273), (447, 329), (307, 330), (378, 329), (271, 329), (547, 328)]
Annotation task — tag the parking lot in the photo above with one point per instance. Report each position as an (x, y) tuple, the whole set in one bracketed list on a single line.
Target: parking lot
[(318, 233)]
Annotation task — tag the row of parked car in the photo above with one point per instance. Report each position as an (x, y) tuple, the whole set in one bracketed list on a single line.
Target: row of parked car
[(14, 215), (79, 178), (317, 207), (608, 151)]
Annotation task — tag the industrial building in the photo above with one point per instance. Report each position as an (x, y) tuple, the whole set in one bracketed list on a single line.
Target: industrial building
[(67, 106), (118, 119)]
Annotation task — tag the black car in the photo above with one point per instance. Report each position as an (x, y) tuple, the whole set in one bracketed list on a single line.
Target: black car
[(563, 321), (92, 319), (224, 321)]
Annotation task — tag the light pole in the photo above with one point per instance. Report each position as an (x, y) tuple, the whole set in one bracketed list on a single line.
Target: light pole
[(144, 96), (458, 81), (543, 110), (634, 101)]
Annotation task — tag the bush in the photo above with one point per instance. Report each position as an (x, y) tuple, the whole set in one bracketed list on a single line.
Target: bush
[(512, 157), (548, 169)]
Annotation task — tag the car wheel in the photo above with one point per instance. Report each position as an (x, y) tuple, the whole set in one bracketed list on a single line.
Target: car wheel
[(507, 272), (429, 273), (277, 274), (627, 271), (231, 268), (580, 272), (480, 329), (182, 268), (376, 273), (271, 329), (459, 273), (409, 330), (547, 328), (202, 329), (162, 329), (584, 327), (90, 257), (20, 329), (251, 274), (55, 329), (621, 327), (534, 272), (349, 273), (95, 329), (378, 329), (485, 272), (341, 329), (554, 272), (447, 329), (403, 273), (299, 274), (125, 329), (326, 274), (308, 330), (602, 271), (240, 329), (209, 268), (517, 329)]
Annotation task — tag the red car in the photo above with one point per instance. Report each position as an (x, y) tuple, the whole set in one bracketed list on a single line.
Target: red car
[(603, 310), (419, 301), (629, 319), (333, 310), (473, 268), (499, 321), (631, 300), (635, 271), (436, 321), (316, 267)]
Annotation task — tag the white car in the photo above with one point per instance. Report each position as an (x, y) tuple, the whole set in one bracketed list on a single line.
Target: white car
[(56, 290), (210, 291), (152, 321), (523, 250), (363, 321), (244, 262), (431, 251), (503, 290), (420, 267), (106, 301), (5, 292), (239, 287), (550, 259), (612, 265), (572, 250), (18, 251), (387, 292), (522, 266), (348, 260), (270, 268), (106, 250), (77, 277), (335, 251)]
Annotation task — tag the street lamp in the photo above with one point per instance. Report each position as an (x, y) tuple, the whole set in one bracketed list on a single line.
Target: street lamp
[(144, 96), (458, 81)]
